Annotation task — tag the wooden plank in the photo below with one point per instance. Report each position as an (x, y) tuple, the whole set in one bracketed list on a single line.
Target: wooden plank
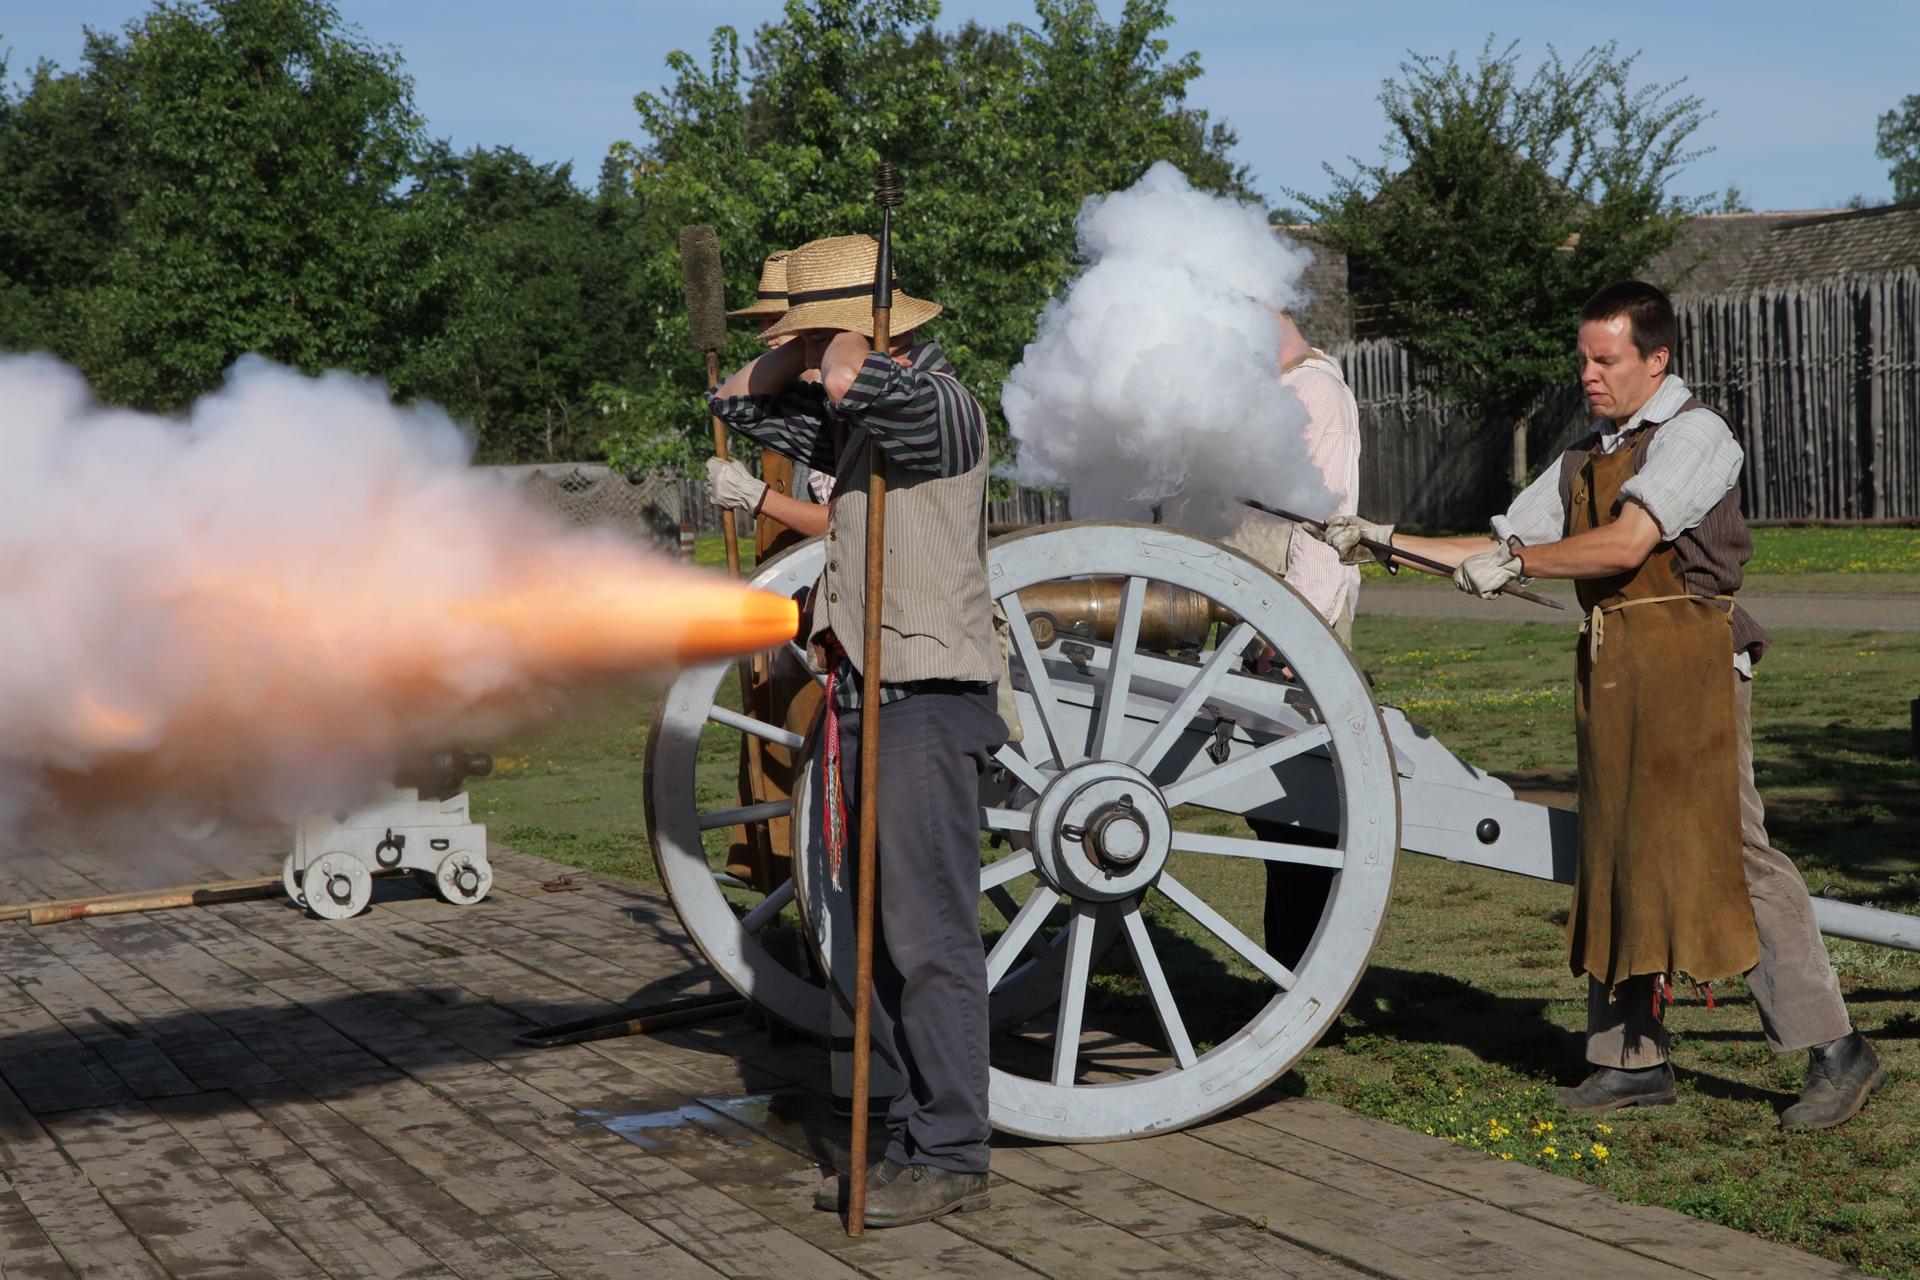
[(1244, 1248), (338, 1230), (25, 1250), (1701, 1247), (67, 1210), (1458, 1235), (423, 1037), (459, 1239), (185, 1213), (1058, 1240)]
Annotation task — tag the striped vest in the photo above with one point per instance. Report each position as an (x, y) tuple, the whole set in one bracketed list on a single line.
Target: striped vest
[(938, 620), (1713, 553)]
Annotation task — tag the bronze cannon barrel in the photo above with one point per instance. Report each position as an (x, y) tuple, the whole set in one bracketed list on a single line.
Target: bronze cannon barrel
[(1172, 618)]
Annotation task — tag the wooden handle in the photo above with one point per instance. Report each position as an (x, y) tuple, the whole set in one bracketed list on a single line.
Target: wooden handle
[(869, 810), (113, 904)]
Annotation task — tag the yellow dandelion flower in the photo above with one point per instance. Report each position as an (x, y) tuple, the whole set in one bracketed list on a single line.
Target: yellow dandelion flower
[(1601, 1152), (1506, 1155), (1548, 1152), (1604, 1128)]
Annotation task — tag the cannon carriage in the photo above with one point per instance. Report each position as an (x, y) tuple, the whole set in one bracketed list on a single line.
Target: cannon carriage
[(1168, 690)]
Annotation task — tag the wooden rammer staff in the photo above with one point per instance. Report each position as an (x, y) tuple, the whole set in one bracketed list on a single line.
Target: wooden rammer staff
[(887, 194)]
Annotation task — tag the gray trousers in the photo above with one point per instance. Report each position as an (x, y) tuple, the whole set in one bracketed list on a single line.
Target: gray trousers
[(1793, 984), (929, 967)]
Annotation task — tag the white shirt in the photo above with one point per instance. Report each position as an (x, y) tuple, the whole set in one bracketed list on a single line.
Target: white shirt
[(1690, 465), (1333, 447)]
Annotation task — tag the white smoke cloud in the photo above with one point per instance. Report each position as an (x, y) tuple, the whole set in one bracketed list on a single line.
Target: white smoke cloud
[(261, 608), (1155, 380)]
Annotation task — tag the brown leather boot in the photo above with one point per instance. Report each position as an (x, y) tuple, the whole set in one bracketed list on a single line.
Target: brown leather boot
[(831, 1195), (1611, 1088), (1840, 1077), (923, 1193)]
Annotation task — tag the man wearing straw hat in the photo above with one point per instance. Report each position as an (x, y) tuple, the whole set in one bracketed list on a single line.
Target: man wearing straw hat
[(936, 703), (729, 483)]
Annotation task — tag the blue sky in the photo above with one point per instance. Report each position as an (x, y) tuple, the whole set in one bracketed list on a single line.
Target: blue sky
[(1795, 88)]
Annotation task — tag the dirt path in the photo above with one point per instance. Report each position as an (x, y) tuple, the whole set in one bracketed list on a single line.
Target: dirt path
[(1778, 602)]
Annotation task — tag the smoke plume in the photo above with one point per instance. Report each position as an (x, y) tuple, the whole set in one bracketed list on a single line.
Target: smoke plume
[(1155, 380), (260, 609)]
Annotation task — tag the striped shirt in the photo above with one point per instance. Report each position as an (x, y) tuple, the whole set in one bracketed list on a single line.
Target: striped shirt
[(920, 417)]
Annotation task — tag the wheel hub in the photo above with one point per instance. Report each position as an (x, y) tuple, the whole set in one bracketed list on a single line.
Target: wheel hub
[(1100, 831)]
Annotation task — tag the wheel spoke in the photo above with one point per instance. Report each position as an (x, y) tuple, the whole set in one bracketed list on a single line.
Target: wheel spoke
[(745, 813), (1266, 757), (1020, 767), (1266, 850), (1198, 690), (1119, 673), (818, 677), (1220, 927), (1039, 683), (1001, 870), (1024, 925), (758, 728), (776, 902), (992, 819), (1073, 992), (1155, 977)]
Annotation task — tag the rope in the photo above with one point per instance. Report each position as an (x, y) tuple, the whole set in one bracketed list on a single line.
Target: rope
[(1596, 623)]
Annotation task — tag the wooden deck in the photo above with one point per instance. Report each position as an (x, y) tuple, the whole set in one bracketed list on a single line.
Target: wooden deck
[(241, 1090)]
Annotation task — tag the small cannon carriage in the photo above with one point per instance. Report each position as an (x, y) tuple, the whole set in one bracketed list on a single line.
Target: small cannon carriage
[(1166, 685)]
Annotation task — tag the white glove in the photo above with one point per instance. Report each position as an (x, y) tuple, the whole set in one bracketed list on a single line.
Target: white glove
[(1487, 574), (731, 485), (1343, 534)]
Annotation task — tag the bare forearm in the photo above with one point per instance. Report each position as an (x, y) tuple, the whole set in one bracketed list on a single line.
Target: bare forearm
[(1598, 553), (809, 518), (1448, 551), (769, 374)]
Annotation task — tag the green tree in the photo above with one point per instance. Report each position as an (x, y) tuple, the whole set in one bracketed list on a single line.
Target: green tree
[(1501, 202), (232, 168), (544, 311), (1898, 139), (999, 136)]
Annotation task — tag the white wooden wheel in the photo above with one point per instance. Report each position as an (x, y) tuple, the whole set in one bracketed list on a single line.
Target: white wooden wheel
[(463, 879), (337, 886), (690, 723), (1126, 749)]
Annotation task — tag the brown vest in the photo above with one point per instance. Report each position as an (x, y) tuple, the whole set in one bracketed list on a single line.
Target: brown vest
[(937, 619), (1712, 554)]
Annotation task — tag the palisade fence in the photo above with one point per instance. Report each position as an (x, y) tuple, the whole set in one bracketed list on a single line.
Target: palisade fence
[(1821, 382)]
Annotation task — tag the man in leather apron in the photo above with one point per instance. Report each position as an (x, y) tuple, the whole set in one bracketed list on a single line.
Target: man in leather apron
[(1675, 873)]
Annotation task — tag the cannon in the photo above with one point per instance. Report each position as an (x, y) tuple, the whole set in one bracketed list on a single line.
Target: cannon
[(421, 823), (1167, 687)]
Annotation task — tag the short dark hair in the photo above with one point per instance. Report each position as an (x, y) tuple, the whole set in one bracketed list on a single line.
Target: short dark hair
[(1649, 314)]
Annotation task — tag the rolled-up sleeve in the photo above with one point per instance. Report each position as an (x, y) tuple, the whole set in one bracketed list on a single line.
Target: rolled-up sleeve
[(1691, 463), (789, 423), (1537, 515), (923, 421)]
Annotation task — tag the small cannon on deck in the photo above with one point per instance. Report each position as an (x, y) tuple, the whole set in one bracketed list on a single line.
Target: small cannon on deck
[(420, 824), (1147, 714)]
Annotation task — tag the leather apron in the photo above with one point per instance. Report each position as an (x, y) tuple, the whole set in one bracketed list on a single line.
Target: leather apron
[(1661, 884)]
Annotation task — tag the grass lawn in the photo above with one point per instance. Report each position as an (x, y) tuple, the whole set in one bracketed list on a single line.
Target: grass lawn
[(1467, 1015)]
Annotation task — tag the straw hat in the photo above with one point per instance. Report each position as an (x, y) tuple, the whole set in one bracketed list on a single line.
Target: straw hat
[(772, 298), (830, 286)]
